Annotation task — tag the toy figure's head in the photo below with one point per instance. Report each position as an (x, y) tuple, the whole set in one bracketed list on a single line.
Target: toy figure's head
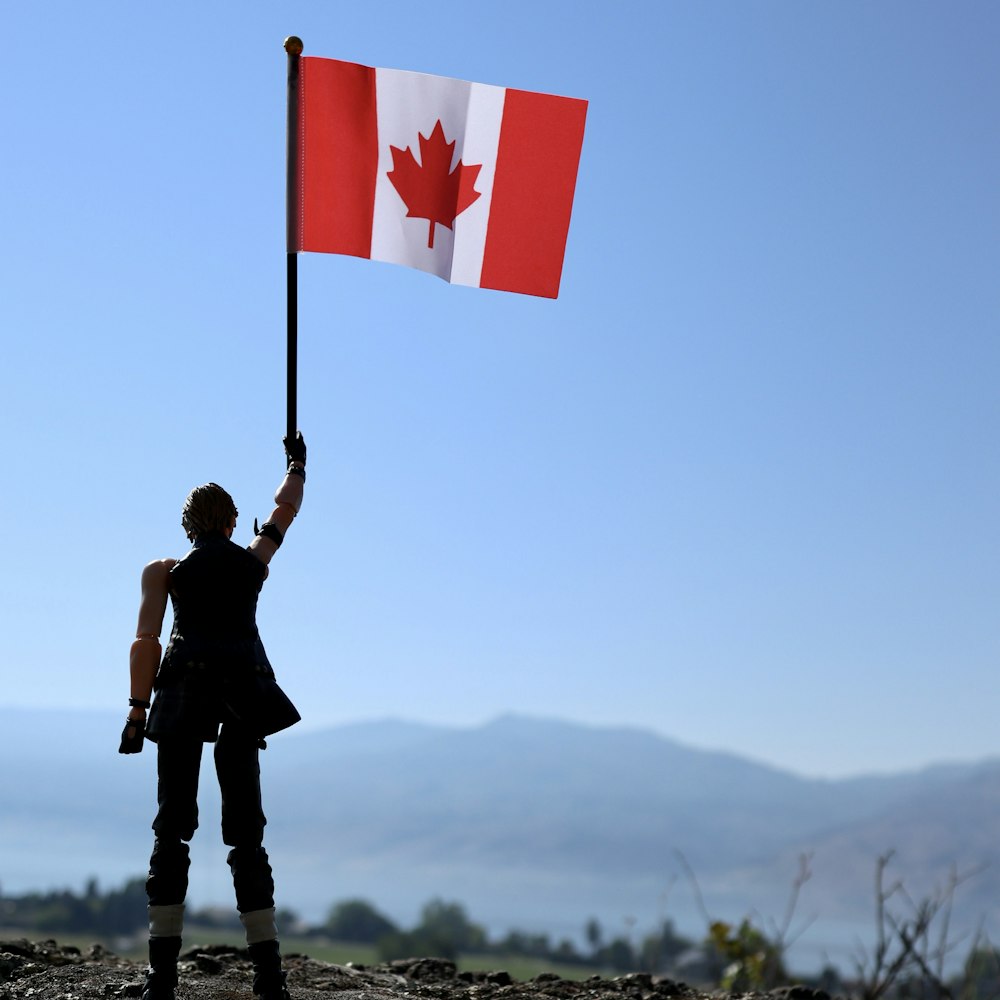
[(208, 508)]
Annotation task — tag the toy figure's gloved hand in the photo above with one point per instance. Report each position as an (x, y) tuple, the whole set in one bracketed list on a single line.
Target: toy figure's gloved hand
[(295, 449), (132, 736)]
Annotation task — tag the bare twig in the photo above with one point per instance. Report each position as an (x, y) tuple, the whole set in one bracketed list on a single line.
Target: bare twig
[(783, 940), (695, 887), (912, 944)]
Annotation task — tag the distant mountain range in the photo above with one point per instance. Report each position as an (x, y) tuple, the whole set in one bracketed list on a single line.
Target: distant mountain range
[(533, 823)]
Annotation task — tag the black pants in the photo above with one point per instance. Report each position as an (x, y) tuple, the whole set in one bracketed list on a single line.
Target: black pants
[(178, 761)]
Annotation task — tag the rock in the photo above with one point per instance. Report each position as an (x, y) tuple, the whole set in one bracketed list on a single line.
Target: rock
[(207, 964), (424, 970), (668, 988), (799, 993), (227, 951), (641, 979), (18, 946), (8, 964), (546, 977)]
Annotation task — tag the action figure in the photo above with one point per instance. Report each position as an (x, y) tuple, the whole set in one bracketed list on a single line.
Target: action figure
[(215, 685)]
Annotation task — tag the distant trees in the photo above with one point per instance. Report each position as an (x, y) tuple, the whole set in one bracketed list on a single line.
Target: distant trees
[(593, 933), (660, 950), (444, 931), (109, 914), (113, 913), (656, 952), (357, 920)]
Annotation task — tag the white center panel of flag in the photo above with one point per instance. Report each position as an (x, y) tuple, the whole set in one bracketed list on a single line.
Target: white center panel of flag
[(410, 105)]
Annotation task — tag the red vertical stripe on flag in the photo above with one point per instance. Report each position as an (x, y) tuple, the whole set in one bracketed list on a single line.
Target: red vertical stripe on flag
[(540, 140), (338, 156)]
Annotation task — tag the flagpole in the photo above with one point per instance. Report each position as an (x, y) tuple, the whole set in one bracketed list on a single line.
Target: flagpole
[(293, 46)]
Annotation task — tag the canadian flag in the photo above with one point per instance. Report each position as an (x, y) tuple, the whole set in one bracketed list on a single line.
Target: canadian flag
[(471, 182)]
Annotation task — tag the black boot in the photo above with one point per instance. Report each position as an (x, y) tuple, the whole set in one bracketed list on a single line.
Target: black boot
[(161, 976), (268, 977)]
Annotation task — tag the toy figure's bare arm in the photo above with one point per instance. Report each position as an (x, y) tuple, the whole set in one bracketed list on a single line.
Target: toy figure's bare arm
[(144, 656), (288, 502)]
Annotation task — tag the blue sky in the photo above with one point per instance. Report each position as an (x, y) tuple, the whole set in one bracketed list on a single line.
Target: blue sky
[(738, 484)]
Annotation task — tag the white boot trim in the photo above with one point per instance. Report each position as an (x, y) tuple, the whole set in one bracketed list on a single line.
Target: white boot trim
[(166, 921), (259, 925)]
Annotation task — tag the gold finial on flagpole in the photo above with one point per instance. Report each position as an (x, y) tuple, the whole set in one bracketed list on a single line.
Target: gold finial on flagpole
[(293, 45)]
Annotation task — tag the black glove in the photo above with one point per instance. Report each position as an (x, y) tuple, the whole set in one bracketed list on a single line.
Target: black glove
[(295, 450), (133, 743)]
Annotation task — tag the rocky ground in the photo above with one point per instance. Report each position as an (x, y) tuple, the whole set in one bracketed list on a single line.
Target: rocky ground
[(48, 971)]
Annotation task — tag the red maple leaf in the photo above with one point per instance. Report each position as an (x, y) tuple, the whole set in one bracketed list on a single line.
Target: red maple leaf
[(431, 189)]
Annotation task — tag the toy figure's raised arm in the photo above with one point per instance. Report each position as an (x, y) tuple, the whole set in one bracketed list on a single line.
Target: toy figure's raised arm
[(287, 499)]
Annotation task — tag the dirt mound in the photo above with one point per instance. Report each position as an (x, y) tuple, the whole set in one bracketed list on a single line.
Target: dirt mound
[(45, 970)]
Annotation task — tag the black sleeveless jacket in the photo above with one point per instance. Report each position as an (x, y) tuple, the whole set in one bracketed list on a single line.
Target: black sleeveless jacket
[(214, 668)]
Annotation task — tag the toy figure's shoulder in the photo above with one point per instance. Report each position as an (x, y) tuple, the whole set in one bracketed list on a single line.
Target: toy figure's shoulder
[(157, 573)]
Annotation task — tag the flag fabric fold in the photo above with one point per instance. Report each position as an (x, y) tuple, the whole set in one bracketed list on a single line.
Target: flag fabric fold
[(468, 181)]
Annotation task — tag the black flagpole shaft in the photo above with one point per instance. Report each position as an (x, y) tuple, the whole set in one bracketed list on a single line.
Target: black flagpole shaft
[(293, 352), (293, 46)]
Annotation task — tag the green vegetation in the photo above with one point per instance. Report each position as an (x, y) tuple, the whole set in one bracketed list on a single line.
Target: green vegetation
[(752, 962), (104, 915)]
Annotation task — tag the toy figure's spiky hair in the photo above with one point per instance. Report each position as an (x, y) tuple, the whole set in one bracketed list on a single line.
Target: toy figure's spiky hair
[(207, 508)]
